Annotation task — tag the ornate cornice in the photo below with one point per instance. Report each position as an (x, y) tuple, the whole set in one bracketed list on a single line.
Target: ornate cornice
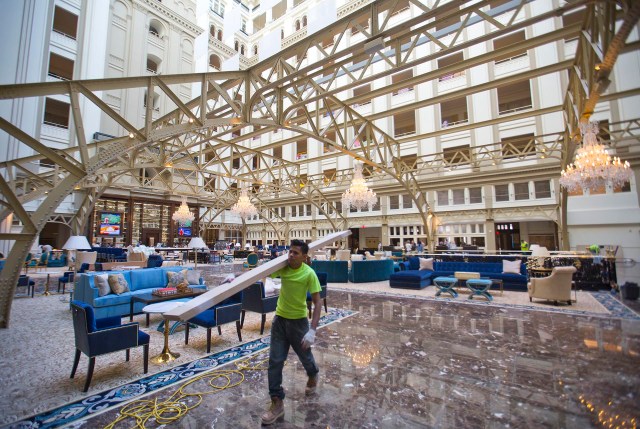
[(167, 13)]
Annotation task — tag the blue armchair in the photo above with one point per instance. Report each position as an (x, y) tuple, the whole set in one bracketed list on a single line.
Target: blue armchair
[(67, 277), (95, 337), (154, 261), (225, 312), (323, 292), (254, 299), (24, 281), (251, 262)]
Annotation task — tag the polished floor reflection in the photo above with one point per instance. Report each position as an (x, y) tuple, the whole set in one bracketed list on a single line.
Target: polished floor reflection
[(408, 362)]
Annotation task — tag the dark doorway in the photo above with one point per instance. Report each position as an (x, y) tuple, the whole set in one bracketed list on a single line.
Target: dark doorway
[(151, 237)]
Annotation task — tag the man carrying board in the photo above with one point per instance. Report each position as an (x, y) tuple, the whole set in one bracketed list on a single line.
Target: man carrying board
[(290, 327)]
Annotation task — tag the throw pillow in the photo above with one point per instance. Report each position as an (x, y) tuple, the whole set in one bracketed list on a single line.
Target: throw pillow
[(192, 276), (102, 283), (426, 264), (174, 278), (512, 267), (118, 283)]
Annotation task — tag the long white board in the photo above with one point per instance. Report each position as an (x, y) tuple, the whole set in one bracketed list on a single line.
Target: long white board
[(219, 294)]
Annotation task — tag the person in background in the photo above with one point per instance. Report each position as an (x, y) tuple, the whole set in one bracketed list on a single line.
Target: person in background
[(379, 246), (420, 247), (407, 246), (290, 326)]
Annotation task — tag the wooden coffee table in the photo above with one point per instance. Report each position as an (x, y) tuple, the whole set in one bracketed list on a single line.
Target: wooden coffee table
[(149, 298)]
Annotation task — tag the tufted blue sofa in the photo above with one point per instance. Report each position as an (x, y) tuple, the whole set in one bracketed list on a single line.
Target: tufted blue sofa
[(140, 281), (412, 277), (371, 271), (337, 271)]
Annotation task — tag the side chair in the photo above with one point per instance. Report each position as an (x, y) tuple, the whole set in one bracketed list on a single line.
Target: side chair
[(255, 299), (96, 337), (556, 287), (67, 277), (25, 281), (225, 312)]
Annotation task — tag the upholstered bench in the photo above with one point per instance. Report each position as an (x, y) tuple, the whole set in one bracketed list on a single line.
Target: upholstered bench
[(446, 284), (479, 287)]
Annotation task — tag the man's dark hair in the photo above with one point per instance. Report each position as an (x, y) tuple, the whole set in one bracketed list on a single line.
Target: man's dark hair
[(302, 245)]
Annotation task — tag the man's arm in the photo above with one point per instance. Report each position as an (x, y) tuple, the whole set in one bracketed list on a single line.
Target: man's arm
[(317, 309)]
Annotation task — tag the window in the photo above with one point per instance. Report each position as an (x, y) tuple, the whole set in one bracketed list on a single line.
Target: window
[(294, 211), (241, 49), (217, 6), (255, 49), (152, 65), (60, 67), (220, 35), (407, 202), (399, 77), (458, 196), (518, 146), (243, 28), (542, 189), (514, 97), (509, 40), (521, 190), (450, 60), (443, 198), (394, 202), (235, 163), (236, 46), (475, 195), (297, 24), (56, 113), (404, 123), (362, 91), (301, 149), (502, 192), (214, 61), (65, 22), (454, 112)]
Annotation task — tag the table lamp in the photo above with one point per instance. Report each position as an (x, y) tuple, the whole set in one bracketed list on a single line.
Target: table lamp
[(76, 242), (540, 253), (196, 243)]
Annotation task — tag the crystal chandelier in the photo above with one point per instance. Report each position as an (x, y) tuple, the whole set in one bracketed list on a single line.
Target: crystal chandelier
[(243, 207), (359, 195), (593, 167), (183, 215)]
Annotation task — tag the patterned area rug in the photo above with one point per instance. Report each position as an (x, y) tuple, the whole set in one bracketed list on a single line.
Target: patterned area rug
[(63, 397)]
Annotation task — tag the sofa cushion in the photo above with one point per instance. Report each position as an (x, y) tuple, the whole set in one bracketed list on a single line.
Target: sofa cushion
[(512, 267), (102, 283), (426, 264), (192, 276), (175, 278), (118, 283), (414, 263)]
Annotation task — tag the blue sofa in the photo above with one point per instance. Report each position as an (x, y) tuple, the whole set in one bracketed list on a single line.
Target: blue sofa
[(412, 277), (140, 281), (371, 271), (337, 271)]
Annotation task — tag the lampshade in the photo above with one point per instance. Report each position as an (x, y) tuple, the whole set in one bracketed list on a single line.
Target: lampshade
[(77, 242), (196, 243), (540, 251)]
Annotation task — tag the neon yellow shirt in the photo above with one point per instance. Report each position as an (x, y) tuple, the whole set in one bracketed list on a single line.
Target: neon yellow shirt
[(292, 302)]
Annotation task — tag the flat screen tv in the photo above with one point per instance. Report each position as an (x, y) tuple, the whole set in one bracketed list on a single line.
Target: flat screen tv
[(184, 232), (110, 223)]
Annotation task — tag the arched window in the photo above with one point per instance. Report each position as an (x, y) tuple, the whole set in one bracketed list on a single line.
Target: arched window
[(214, 61), (255, 49), (220, 35), (304, 21), (156, 28), (241, 49), (235, 45), (297, 24), (153, 64), (212, 31)]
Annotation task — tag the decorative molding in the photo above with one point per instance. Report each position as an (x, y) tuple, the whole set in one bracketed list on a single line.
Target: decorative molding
[(174, 18)]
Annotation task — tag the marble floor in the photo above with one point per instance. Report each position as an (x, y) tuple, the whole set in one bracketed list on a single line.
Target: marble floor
[(404, 361)]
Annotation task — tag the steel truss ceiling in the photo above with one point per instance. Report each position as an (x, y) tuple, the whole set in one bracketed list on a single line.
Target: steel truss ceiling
[(205, 148)]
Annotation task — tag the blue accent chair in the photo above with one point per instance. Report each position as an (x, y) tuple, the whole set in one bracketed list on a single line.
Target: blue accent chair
[(154, 261), (67, 277), (95, 337), (225, 312), (84, 267), (323, 292), (254, 299), (251, 262), (24, 281)]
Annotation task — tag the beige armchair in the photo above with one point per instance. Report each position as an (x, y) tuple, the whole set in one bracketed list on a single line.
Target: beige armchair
[(556, 287), (343, 255)]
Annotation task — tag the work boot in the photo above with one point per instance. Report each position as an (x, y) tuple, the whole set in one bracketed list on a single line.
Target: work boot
[(312, 382), (276, 410)]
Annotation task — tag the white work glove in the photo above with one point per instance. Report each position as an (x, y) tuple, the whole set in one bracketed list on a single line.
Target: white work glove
[(309, 338)]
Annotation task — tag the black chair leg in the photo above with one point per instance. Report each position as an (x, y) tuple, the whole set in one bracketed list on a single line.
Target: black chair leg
[(242, 320), (92, 364), (75, 363), (127, 355), (239, 330), (33, 290), (145, 349), (219, 330), (264, 320), (325, 306), (209, 339), (186, 333)]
